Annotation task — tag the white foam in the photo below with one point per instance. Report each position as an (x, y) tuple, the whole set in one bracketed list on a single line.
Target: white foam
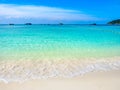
[(19, 71)]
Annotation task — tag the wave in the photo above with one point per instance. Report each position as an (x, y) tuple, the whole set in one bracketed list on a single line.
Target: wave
[(20, 71)]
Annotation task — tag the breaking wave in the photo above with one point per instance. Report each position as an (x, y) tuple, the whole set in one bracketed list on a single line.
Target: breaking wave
[(19, 71)]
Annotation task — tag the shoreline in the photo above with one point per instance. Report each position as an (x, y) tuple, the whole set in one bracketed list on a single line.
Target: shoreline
[(20, 71), (109, 80)]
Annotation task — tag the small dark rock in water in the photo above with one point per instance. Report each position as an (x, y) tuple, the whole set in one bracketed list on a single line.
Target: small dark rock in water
[(60, 23), (93, 24), (28, 24), (11, 24)]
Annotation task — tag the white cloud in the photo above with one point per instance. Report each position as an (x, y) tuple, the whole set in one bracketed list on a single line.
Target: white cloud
[(11, 11)]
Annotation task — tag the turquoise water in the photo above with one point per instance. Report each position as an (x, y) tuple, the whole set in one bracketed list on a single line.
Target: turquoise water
[(39, 42), (44, 51)]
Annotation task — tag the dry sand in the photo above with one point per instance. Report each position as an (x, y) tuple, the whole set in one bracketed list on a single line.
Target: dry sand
[(91, 81)]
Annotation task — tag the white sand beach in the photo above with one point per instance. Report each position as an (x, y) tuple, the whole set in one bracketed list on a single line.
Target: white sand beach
[(59, 45), (109, 80)]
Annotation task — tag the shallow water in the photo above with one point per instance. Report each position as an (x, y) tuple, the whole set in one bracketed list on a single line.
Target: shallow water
[(36, 42), (43, 51)]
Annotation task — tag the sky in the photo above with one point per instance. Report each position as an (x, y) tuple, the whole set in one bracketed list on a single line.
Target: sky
[(57, 11)]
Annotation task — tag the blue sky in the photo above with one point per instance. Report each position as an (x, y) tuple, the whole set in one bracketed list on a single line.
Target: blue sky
[(55, 11)]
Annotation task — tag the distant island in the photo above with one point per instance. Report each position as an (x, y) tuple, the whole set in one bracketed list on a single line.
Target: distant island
[(11, 23), (114, 22), (60, 23), (93, 24), (28, 23)]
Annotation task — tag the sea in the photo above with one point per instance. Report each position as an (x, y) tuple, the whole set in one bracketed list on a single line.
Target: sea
[(46, 51)]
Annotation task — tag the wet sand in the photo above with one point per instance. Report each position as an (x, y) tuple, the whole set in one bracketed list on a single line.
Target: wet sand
[(109, 80)]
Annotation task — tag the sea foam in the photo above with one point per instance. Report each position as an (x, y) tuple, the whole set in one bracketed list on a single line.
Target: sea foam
[(19, 71)]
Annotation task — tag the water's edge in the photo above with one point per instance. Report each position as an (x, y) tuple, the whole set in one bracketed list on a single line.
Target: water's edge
[(20, 71)]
